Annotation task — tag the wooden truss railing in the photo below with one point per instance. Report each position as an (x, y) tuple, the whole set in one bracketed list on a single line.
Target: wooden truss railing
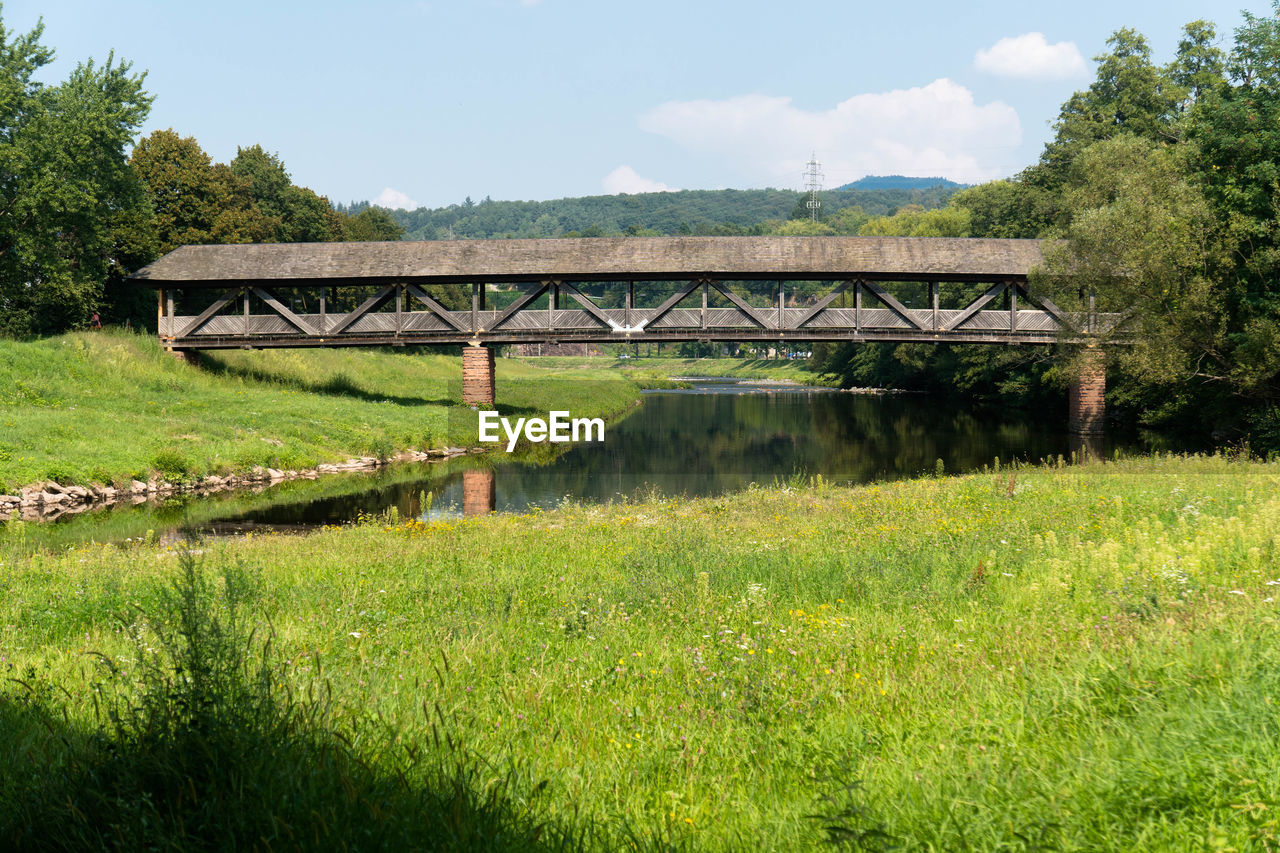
[(391, 316)]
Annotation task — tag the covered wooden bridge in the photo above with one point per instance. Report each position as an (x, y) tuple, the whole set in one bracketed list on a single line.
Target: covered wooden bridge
[(558, 290)]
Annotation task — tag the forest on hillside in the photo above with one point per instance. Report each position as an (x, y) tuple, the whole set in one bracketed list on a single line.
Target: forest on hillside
[(709, 212)]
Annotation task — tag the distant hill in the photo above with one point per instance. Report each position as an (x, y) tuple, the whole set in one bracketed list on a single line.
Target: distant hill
[(685, 212), (899, 182)]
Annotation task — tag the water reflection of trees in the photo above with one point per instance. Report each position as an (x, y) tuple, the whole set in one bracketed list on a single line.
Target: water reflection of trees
[(708, 443)]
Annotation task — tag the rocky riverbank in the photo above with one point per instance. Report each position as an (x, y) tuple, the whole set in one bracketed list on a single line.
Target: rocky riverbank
[(49, 501)]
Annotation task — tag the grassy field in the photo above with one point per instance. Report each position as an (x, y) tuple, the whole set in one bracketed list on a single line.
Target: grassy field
[(1066, 658), (109, 407), (642, 369)]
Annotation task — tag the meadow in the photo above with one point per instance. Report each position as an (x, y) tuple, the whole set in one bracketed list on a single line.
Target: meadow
[(1053, 657), (649, 369), (110, 407)]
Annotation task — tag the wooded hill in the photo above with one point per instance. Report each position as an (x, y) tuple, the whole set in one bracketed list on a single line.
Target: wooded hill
[(652, 214)]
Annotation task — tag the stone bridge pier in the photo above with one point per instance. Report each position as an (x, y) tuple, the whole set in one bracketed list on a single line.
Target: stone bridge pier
[(1086, 401), (477, 375)]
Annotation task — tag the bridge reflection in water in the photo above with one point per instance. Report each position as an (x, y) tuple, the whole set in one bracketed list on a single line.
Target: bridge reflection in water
[(479, 492)]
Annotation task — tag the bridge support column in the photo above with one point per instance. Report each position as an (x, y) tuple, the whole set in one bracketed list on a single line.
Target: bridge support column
[(1087, 396), (479, 492), (477, 375)]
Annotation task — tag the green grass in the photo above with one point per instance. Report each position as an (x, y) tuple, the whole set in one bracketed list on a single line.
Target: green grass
[(1042, 658), (109, 407), (643, 369)]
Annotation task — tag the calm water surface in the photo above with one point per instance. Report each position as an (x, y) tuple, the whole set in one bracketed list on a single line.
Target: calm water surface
[(717, 437)]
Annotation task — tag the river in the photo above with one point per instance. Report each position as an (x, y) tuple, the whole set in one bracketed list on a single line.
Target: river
[(715, 437)]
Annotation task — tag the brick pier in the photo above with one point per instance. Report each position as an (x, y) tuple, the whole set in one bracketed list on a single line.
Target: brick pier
[(1087, 398), (477, 375), (479, 492)]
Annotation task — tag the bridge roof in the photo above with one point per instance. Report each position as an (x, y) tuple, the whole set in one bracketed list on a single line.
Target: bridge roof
[(595, 259)]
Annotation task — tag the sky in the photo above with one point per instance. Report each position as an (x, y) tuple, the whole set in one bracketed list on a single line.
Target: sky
[(426, 102)]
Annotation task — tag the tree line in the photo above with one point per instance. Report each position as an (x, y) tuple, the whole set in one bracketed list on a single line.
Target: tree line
[(689, 212), (1162, 186), (82, 206)]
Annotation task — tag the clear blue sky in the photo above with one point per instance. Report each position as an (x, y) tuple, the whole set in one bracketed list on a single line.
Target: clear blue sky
[(539, 99)]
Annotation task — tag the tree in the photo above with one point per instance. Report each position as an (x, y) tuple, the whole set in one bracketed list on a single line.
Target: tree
[(1129, 95), (303, 216), (1145, 240), (1199, 67), (803, 228), (64, 183), (1007, 209), (196, 201), (914, 221), (373, 224)]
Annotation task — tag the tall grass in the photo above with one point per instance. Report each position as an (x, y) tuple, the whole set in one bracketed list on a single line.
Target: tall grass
[(199, 742), (1068, 658)]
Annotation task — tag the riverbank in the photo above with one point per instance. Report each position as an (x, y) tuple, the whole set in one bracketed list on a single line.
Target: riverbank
[(97, 413), (1081, 656)]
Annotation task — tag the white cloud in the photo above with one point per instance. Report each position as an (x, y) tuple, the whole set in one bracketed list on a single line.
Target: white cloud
[(530, 2), (392, 199), (1031, 56), (934, 130), (625, 180)]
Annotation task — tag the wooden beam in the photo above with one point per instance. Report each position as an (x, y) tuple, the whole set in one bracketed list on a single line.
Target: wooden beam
[(279, 307), (673, 301), (591, 307), (438, 309), (364, 308), (204, 315), (976, 306), (741, 304), (519, 304), (823, 303), (894, 305), (1053, 310)]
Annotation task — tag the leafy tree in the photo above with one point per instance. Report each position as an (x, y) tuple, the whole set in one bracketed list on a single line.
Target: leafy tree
[(1013, 209), (196, 201), (1144, 237), (1129, 95), (1200, 66), (803, 228), (848, 220), (64, 182), (1255, 59), (915, 221), (303, 216), (373, 224)]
